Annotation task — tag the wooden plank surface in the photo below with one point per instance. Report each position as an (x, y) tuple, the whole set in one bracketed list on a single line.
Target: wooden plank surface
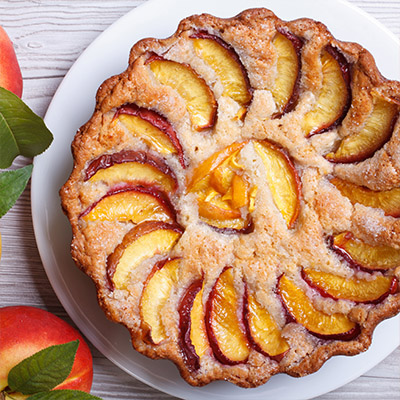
[(49, 36)]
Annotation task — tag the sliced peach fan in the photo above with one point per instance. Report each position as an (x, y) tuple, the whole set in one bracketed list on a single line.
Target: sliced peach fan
[(223, 191)]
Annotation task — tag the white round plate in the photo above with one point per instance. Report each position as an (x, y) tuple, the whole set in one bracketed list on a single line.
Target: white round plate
[(73, 105)]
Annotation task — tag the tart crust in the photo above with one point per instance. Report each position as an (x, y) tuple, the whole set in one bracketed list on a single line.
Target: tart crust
[(259, 257)]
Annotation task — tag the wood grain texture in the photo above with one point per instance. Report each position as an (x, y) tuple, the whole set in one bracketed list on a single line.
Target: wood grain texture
[(49, 36)]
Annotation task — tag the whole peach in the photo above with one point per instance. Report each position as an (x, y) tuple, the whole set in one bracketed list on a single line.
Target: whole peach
[(26, 330), (10, 73)]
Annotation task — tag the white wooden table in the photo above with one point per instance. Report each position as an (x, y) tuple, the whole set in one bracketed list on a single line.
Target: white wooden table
[(49, 36)]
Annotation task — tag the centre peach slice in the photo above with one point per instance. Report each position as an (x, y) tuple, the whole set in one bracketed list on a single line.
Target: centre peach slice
[(221, 178), (222, 191), (377, 130), (223, 322), (217, 209), (204, 170), (220, 215), (299, 306), (199, 99), (156, 291), (227, 65), (282, 179), (141, 243), (334, 97), (263, 333), (231, 226), (240, 192), (131, 204), (353, 289), (133, 167), (286, 87), (387, 200), (152, 128), (361, 254)]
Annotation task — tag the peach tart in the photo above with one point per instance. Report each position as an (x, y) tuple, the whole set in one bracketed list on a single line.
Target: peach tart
[(235, 197)]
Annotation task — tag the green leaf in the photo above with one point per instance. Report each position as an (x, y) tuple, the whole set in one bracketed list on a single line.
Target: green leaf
[(12, 184), (63, 395), (44, 370), (22, 132)]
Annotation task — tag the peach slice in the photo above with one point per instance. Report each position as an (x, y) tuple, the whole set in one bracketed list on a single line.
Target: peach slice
[(157, 288), (131, 204), (283, 180), (221, 215), (263, 333), (387, 200), (199, 99), (142, 242), (152, 128), (222, 192), (376, 131), (224, 60), (334, 98), (300, 308), (198, 333), (286, 88), (364, 255), (231, 226), (218, 210), (131, 166), (353, 289), (212, 163), (193, 336), (223, 218), (224, 327), (240, 192), (221, 178)]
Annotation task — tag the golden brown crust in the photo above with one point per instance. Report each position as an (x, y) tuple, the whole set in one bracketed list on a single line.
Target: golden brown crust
[(261, 257)]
